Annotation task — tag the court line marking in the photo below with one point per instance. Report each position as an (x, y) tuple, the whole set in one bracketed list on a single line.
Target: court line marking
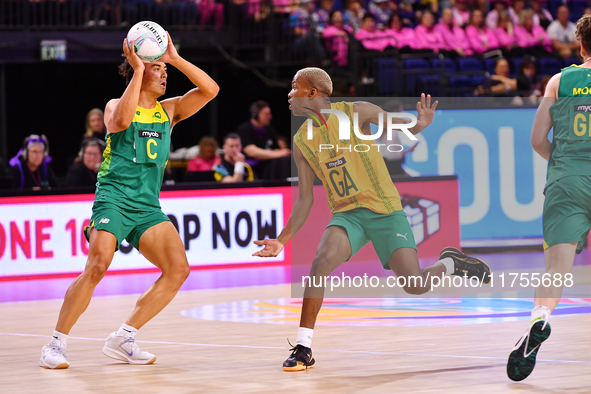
[(286, 348)]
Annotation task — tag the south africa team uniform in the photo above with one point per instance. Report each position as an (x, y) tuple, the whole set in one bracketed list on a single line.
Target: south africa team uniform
[(361, 195), (128, 183), (567, 207)]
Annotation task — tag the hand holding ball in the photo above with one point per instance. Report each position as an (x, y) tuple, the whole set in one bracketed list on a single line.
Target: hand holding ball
[(150, 40)]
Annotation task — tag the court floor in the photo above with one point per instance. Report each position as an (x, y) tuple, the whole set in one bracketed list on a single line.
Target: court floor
[(227, 331)]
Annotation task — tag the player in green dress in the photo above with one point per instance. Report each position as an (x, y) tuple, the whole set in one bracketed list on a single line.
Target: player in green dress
[(126, 203), (567, 208)]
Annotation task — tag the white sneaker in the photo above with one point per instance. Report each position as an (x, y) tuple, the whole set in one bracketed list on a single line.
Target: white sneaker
[(53, 356), (124, 348)]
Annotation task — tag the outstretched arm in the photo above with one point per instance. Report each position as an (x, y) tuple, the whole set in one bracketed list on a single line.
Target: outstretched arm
[(543, 121), (300, 211), (119, 113), (185, 106)]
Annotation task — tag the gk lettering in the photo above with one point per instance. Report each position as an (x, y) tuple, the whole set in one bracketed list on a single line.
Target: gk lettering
[(345, 126)]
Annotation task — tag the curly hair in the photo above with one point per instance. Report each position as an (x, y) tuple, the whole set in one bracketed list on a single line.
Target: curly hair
[(126, 71), (583, 33)]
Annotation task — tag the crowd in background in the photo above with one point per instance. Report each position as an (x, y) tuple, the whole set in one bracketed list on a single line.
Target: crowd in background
[(454, 28), (254, 151)]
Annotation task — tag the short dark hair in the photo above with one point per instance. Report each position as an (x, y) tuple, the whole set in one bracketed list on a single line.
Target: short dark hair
[(232, 136), (368, 16), (257, 107), (126, 71), (583, 33)]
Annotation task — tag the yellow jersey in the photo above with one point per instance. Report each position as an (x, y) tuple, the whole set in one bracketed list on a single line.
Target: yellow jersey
[(352, 171)]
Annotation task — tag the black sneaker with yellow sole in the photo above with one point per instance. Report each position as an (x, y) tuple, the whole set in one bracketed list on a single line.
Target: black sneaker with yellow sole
[(467, 265), (299, 360)]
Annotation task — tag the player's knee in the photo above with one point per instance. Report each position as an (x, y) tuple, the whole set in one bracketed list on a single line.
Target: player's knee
[(320, 267), (96, 271), (179, 273)]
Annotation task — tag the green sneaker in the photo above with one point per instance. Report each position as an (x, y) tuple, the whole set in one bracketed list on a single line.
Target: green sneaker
[(522, 359)]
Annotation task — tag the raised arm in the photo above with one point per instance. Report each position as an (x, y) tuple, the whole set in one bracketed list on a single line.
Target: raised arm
[(543, 120), (119, 113), (187, 105), (300, 211)]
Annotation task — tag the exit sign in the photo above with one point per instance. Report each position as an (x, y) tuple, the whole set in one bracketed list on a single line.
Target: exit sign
[(53, 50)]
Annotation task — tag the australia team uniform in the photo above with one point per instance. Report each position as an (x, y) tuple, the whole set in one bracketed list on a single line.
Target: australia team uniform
[(128, 183), (361, 195), (567, 207)]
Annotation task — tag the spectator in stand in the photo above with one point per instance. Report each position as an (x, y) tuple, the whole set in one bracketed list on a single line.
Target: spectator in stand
[(505, 33), (461, 13), (382, 11), (207, 156), (259, 139), (481, 38), (562, 33), (515, 9), (542, 17), (304, 29), (405, 38), (210, 11), (492, 19), (321, 17), (233, 167), (282, 6), (30, 167), (95, 124), (337, 38), (371, 38), (501, 84), (453, 36), (354, 14), (427, 35), (534, 38), (86, 166), (526, 78), (408, 16)]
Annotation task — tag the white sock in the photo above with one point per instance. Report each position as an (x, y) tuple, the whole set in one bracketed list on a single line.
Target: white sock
[(126, 331), (449, 264), (540, 312), (305, 336), (61, 338)]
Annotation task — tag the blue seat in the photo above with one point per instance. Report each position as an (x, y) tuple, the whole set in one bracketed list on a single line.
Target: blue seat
[(469, 64), (577, 9), (461, 85), (489, 64), (414, 65), (388, 77), (571, 60), (514, 64), (549, 66), (449, 65), (430, 84)]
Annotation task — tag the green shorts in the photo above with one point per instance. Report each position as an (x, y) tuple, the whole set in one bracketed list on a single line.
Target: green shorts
[(387, 232), (567, 211), (124, 224)]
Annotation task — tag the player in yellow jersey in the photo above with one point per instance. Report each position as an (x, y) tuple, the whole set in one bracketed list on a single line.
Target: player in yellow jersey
[(364, 202), (126, 203), (567, 205)]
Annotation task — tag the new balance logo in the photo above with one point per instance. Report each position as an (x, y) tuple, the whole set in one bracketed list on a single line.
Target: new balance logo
[(402, 236), (104, 220)]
